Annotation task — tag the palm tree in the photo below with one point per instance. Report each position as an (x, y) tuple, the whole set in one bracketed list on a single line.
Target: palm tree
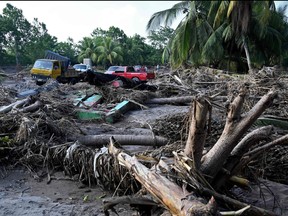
[(214, 30), (87, 49), (109, 52), (249, 26)]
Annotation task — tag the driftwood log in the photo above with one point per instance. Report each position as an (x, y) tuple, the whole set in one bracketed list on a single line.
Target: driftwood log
[(103, 139), (172, 196)]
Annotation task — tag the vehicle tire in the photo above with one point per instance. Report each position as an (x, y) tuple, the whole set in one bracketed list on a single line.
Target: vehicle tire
[(39, 83), (136, 80)]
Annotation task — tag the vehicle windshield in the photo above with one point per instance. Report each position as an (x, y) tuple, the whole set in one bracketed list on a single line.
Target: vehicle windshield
[(112, 68), (80, 67), (41, 64)]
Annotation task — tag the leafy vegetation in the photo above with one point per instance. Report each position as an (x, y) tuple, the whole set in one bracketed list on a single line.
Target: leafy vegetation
[(249, 34), (22, 42)]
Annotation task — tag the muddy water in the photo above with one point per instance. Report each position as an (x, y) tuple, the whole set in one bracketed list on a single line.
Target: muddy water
[(21, 194)]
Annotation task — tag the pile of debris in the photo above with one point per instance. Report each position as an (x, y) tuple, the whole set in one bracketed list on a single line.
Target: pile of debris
[(40, 127)]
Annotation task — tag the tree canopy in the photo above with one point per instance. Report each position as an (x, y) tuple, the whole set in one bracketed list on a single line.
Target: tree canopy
[(221, 32)]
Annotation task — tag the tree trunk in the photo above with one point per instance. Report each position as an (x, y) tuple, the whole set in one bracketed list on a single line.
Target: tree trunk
[(234, 129), (102, 140), (198, 130), (247, 53), (173, 197), (8, 108), (179, 100)]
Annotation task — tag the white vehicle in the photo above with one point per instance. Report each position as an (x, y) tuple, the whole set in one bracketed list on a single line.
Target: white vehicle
[(81, 67)]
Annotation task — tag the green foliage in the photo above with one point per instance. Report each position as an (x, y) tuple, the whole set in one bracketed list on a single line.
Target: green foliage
[(110, 53), (16, 30), (215, 32), (87, 49), (159, 38)]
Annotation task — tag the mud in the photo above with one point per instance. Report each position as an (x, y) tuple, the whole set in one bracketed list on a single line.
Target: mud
[(21, 194)]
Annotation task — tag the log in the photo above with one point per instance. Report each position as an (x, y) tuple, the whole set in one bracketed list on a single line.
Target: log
[(171, 100), (134, 200), (178, 100), (103, 139), (8, 108), (31, 108), (173, 197), (280, 141)]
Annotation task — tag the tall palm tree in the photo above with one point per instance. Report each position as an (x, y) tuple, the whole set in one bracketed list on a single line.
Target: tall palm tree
[(241, 17), (109, 52)]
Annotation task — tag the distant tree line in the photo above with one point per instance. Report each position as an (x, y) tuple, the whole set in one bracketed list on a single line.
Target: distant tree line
[(231, 35), (22, 42)]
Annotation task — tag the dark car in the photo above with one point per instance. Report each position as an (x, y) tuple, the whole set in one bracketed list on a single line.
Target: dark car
[(111, 69)]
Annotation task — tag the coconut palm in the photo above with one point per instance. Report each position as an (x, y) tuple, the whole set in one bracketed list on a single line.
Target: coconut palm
[(251, 25), (87, 48), (214, 30), (109, 52)]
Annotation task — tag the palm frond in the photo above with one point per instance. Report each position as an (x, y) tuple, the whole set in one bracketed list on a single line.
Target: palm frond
[(220, 15), (166, 16), (213, 48)]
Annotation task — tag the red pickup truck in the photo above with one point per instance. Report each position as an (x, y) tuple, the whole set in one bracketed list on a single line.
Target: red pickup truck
[(130, 73)]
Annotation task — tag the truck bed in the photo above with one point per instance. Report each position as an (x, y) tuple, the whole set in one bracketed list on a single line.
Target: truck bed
[(70, 72)]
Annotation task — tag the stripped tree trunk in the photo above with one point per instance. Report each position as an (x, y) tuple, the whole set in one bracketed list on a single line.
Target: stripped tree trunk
[(197, 132), (102, 140), (234, 129), (173, 197)]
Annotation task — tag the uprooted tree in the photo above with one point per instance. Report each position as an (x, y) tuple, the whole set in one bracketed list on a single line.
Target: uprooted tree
[(208, 174)]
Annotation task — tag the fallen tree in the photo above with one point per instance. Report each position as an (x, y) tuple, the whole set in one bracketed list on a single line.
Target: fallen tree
[(97, 141)]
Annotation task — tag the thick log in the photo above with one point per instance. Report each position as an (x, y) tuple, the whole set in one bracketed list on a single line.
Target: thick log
[(171, 100), (135, 200), (103, 140), (197, 131), (31, 108), (178, 100), (8, 108), (234, 129), (173, 197)]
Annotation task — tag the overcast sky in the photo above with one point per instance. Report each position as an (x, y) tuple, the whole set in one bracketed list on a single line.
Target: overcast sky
[(77, 19)]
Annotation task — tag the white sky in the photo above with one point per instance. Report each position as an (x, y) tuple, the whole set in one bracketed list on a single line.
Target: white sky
[(77, 19)]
